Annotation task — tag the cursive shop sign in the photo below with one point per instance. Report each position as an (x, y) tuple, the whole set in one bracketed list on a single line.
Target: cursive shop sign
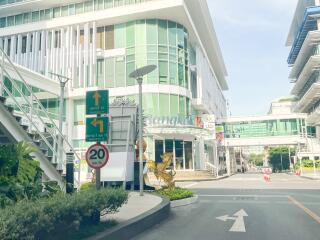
[(171, 121)]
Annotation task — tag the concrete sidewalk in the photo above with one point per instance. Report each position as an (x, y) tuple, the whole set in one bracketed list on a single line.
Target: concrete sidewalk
[(310, 176), (135, 206), (136, 216)]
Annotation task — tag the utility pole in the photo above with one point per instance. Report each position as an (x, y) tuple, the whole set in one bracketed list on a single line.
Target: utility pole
[(63, 81)]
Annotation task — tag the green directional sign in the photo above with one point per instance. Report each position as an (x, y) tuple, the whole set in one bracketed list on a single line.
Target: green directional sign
[(97, 102), (97, 129)]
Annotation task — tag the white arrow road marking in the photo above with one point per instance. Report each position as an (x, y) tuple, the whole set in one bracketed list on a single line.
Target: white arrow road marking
[(238, 225)]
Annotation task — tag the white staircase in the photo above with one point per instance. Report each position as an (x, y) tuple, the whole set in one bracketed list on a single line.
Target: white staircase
[(18, 102)]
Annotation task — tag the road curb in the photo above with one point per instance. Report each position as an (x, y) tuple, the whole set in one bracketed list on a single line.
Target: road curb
[(184, 202), (137, 225), (202, 180), (310, 178)]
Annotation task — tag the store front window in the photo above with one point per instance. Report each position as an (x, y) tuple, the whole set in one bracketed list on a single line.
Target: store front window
[(181, 152)]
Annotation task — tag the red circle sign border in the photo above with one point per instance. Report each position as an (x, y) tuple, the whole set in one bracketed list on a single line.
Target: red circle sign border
[(106, 159)]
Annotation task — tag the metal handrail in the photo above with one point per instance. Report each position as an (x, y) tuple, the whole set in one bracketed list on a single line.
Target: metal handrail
[(54, 130), (35, 97)]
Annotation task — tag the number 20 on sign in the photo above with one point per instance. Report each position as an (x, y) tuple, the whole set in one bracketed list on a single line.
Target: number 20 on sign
[(97, 156)]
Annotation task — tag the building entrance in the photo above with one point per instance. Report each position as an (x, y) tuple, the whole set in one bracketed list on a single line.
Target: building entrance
[(181, 151)]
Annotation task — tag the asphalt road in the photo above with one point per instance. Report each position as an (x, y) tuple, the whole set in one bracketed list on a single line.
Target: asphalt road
[(287, 208)]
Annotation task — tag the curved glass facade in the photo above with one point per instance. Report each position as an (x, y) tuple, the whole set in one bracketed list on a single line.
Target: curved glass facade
[(148, 41), (154, 105)]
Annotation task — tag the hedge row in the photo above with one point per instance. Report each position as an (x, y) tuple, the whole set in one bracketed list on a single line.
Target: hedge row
[(307, 163), (176, 193), (47, 218)]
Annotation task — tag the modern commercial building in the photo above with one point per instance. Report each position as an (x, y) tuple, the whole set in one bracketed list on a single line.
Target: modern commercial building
[(304, 59), (97, 43), (280, 127)]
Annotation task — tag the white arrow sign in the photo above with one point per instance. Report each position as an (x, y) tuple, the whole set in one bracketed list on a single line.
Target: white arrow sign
[(238, 225)]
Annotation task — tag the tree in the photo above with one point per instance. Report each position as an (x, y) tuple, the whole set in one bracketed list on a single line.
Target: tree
[(20, 175), (256, 159), (279, 158)]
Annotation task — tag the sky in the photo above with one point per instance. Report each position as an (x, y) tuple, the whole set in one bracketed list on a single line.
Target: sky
[(252, 36)]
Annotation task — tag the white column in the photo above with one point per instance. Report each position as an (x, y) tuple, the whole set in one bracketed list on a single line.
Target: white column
[(94, 55), (36, 51), (13, 47), (5, 47), (79, 59), (86, 53), (42, 51), (19, 50)]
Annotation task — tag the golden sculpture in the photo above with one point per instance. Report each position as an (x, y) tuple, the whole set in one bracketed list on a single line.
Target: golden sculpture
[(160, 170)]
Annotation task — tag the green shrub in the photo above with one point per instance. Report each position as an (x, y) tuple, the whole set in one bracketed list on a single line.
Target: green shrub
[(87, 185), (48, 218), (176, 193)]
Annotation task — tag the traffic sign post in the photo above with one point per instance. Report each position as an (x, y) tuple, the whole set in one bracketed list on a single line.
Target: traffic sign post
[(97, 130), (97, 102), (97, 156)]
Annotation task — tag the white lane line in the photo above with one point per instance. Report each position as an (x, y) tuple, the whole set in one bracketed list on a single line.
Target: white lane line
[(254, 196), (190, 185)]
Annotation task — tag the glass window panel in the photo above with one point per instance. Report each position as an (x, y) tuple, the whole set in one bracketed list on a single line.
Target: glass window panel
[(164, 105), (159, 150), (19, 19), (173, 68), (120, 74), (48, 14), (3, 22), (79, 8), (109, 68), (188, 107), (141, 32), (186, 74), (174, 105), (109, 37), (163, 35), (10, 21), (56, 12), (98, 4), (179, 155), (153, 77), (182, 105), (79, 112), (130, 34), (64, 11), (150, 104), (118, 3), (180, 35), (163, 72), (181, 75), (88, 6), (100, 38), (152, 32), (72, 9), (130, 69), (172, 33), (120, 35), (188, 155), (35, 16), (108, 3), (100, 73)]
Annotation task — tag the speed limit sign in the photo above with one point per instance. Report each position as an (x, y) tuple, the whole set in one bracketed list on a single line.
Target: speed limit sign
[(97, 156)]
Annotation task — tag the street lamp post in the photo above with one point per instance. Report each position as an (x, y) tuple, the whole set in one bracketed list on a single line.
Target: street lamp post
[(63, 81), (138, 75)]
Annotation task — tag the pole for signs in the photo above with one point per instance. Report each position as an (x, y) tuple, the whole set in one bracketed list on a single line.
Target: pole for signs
[(140, 137)]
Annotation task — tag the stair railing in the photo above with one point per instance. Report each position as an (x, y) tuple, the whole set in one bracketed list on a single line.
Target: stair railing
[(53, 131)]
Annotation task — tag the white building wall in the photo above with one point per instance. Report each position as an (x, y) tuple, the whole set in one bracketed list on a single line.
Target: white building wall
[(209, 90)]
